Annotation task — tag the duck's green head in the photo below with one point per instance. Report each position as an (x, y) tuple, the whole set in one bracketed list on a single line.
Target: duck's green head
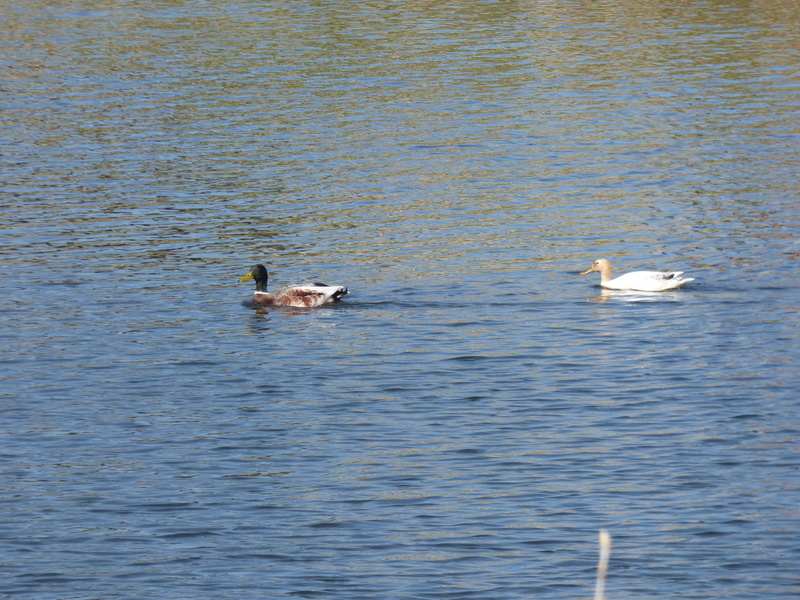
[(260, 275)]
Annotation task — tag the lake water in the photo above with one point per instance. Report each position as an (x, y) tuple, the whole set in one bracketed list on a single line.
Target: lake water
[(465, 422)]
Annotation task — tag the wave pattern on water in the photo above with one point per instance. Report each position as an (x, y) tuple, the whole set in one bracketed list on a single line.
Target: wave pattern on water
[(464, 422)]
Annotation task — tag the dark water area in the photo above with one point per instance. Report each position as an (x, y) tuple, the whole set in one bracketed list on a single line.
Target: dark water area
[(466, 420)]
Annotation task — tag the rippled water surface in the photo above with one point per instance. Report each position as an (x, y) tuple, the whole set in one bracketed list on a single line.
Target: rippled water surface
[(461, 425)]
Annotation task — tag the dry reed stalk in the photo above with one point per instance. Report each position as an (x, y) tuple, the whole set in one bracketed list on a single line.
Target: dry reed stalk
[(602, 565)]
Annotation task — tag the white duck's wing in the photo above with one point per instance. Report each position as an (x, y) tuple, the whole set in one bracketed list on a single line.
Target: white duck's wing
[(648, 281)]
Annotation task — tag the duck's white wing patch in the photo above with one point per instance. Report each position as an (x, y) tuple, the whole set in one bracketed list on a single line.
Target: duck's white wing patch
[(647, 281)]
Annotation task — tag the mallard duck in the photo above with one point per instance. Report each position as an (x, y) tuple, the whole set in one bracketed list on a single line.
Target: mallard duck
[(641, 281), (313, 294)]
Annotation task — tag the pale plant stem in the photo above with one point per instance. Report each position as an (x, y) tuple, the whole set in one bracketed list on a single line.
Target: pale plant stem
[(602, 565)]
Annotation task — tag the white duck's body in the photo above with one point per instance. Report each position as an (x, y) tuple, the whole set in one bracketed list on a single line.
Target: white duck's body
[(640, 281), (301, 295)]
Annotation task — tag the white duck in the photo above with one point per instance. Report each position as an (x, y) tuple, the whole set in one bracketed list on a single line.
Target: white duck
[(642, 281), (303, 295)]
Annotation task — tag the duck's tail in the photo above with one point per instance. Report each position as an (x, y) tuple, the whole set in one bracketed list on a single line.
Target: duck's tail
[(340, 293)]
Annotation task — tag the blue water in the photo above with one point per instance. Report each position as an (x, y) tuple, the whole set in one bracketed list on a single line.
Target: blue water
[(465, 422)]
